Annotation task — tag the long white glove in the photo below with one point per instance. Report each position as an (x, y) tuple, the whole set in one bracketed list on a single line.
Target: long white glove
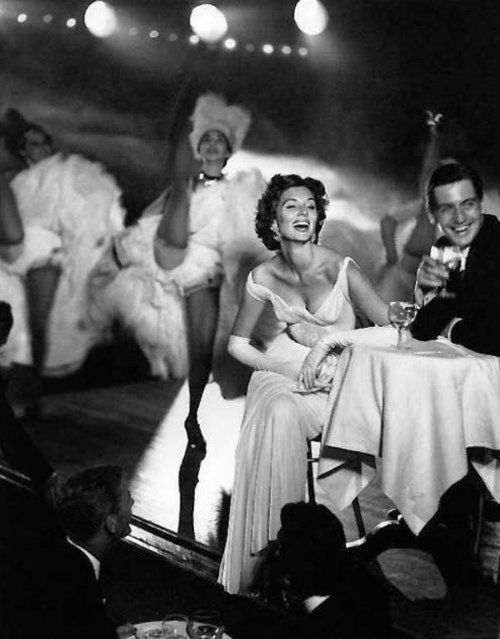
[(336, 340), (241, 349), (286, 361)]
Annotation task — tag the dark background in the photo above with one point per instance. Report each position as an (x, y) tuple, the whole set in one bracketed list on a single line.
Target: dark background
[(357, 100)]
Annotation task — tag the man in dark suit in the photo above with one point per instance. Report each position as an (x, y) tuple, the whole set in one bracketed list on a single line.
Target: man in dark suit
[(53, 591), (463, 303), (15, 444)]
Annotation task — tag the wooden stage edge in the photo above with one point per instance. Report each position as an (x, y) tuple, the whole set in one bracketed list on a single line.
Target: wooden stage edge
[(150, 537)]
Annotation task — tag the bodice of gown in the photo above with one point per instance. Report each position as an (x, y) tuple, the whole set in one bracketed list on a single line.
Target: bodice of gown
[(336, 311)]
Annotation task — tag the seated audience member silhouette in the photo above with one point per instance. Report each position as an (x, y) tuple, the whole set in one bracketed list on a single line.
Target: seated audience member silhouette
[(461, 303), (342, 599), (15, 444), (54, 591)]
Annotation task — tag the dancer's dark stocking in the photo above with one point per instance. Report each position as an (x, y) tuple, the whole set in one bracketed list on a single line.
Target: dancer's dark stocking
[(202, 312), (41, 287)]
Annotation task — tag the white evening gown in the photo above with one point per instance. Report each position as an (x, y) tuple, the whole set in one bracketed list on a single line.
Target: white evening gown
[(271, 464)]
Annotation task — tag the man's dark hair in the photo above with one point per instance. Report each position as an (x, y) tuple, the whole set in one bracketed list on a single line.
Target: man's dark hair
[(448, 174), (6, 321), (268, 203), (85, 500), (312, 547)]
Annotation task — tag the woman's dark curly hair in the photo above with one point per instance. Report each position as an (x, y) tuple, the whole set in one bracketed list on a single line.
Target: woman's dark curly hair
[(268, 203)]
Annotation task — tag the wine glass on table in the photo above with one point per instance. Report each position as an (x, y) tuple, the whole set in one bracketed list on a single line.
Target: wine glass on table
[(401, 315)]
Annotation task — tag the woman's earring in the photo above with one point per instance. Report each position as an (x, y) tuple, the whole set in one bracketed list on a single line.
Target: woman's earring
[(276, 232)]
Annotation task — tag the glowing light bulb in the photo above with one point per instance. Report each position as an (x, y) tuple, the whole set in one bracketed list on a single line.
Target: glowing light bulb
[(22, 17), (230, 43), (100, 19), (311, 16), (268, 49), (208, 22), (70, 23)]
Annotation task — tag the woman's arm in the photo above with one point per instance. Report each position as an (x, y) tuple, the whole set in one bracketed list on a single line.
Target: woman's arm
[(366, 297), (239, 343)]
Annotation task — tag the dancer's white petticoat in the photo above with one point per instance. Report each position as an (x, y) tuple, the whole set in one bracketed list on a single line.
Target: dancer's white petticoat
[(70, 208), (149, 300)]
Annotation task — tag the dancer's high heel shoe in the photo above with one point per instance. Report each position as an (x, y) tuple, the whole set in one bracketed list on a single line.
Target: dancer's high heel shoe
[(194, 434)]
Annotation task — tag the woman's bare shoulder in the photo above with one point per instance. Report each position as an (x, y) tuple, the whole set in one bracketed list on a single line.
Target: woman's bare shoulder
[(264, 273)]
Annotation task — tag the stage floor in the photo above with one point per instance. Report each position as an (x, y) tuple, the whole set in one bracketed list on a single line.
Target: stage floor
[(140, 426)]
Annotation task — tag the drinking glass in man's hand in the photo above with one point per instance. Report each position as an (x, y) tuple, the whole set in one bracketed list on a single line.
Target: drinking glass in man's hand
[(450, 257)]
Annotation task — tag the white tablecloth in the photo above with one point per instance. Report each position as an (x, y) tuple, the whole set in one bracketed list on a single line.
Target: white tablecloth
[(425, 411)]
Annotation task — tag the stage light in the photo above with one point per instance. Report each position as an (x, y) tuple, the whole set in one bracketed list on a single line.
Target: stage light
[(311, 16), (70, 23), (47, 18), (230, 43), (100, 19), (194, 39), (22, 17), (286, 50), (267, 49), (154, 33), (303, 52), (208, 22)]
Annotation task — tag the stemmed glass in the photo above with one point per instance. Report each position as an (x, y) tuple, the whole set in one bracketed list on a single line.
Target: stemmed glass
[(205, 625), (175, 627), (401, 315), (451, 257)]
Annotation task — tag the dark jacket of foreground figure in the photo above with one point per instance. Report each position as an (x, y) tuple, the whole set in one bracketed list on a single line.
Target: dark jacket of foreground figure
[(358, 608), (54, 594), (477, 297)]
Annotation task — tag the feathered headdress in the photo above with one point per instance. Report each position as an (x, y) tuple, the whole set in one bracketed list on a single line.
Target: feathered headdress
[(212, 113)]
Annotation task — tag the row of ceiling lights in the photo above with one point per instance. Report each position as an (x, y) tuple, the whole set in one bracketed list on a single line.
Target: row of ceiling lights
[(207, 21)]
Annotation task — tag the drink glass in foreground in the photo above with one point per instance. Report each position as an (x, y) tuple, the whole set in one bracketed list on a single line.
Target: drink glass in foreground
[(205, 624), (174, 627), (401, 315)]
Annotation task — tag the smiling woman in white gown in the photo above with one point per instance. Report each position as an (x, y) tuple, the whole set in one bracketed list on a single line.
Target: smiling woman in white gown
[(313, 292)]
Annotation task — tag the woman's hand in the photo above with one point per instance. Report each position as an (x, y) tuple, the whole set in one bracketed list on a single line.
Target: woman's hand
[(310, 366)]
